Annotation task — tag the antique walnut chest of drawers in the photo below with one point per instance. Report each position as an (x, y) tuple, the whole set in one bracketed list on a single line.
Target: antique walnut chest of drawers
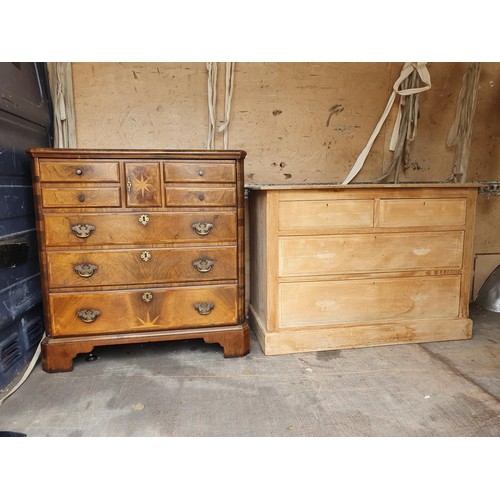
[(139, 246), (353, 266)]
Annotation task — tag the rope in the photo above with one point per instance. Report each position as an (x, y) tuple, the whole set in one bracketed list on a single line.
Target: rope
[(460, 133), (419, 69)]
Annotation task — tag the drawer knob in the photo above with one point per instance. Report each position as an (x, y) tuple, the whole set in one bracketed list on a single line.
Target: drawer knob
[(201, 197), (203, 265), (86, 270), (81, 198), (145, 256), (79, 171), (202, 228), (204, 308), (88, 315), (143, 219), (147, 297), (83, 230), (201, 172)]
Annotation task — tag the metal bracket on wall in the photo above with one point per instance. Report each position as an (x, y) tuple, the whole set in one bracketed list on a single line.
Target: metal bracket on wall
[(490, 188)]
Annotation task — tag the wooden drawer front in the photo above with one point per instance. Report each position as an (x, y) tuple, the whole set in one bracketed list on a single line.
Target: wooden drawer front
[(352, 301), (197, 196), (127, 228), (151, 265), (81, 197), (319, 255), (79, 171), (422, 212), (143, 310), (143, 184), (325, 214), (199, 172)]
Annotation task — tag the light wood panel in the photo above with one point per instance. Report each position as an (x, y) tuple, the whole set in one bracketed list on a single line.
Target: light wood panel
[(364, 253), (79, 171), (81, 197), (335, 302)]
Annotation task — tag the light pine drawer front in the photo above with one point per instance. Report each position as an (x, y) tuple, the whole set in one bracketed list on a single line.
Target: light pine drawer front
[(79, 171), (325, 214), (198, 196), (361, 301), (199, 172), (139, 228), (320, 255), (81, 197), (142, 265), (143, 310), (422, 212)]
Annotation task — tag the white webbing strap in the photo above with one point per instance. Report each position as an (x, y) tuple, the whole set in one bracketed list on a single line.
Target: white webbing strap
[(27, 373), (407, 70), (212, 103), (224, 127)]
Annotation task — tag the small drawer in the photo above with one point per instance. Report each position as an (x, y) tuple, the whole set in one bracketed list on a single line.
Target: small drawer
[(81, 197), (422, 212), (199, 172), (145, 310), (79, 171), (141, 265), (298, 215), (198, 196), (138, 228)]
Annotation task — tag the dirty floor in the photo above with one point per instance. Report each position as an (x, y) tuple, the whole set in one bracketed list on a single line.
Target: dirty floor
[(187, 388)]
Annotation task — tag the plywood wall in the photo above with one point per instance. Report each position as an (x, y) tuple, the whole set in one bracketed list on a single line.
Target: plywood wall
[(298, 122)]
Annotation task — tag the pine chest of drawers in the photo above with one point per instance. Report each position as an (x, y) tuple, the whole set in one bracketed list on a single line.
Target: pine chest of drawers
[(354, 266), (139, 246)]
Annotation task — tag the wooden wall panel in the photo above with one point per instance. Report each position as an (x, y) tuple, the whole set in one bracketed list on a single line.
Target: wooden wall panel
[(298, 122)]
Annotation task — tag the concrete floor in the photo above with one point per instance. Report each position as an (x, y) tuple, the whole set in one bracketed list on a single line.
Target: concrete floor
[(187, 388)]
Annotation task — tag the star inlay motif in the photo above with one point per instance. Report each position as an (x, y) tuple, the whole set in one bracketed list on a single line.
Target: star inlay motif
[(148, 321), (142, 185)]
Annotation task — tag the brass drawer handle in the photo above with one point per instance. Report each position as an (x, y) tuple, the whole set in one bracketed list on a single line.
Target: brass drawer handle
[(202, 228), (144, 219), (145, 256), (86, 270), (201, 172), (79, 171), (83, 230), (129, 185), (88, 315), (204, 308), (147, 297), (201, 197), (203, 265), (81, 198)]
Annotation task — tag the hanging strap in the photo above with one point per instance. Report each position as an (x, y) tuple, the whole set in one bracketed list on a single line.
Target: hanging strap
[(408, 68), (212, 103), (224, 127)]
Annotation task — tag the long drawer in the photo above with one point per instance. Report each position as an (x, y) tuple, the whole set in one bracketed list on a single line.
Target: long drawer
[(146, 309), (142, 265), (139, 229), (352, 301), (358, 253)]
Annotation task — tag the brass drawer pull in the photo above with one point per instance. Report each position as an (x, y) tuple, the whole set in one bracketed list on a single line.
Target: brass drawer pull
[(79, 171), (88, 315), (81, 198), (83, 230), (204, 308), (201, 172), (201, 197), (129, 185), (147, 297), (145, 256), (143, 219), (202, 228), (203, 265), (86, 270)]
